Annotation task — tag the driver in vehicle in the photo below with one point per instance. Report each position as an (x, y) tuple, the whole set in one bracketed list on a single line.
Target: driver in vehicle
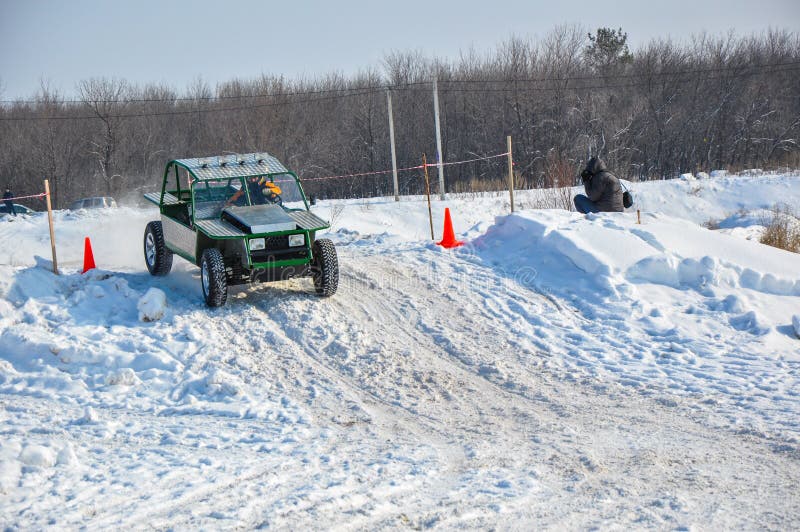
[(271, 192), (261, 191)]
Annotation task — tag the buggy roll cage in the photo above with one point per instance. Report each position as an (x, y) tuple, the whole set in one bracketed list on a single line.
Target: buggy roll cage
[(234, 166)]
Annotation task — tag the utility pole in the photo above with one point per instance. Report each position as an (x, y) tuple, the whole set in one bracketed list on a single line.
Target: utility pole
[(391, 140), (438, 139), (510, 172)]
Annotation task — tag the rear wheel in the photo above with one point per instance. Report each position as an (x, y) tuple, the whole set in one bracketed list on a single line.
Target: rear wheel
[(212, 275), (325, 268), (156, 254)]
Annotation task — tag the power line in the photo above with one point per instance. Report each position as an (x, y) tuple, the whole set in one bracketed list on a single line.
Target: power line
[(187, 111), (766, 67), (417, 86), (603, 86), (731, 68), (202, 98)]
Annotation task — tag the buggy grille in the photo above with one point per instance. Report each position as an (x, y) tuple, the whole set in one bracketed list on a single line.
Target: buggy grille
[(264, 255), (276, 243), (277, 248)]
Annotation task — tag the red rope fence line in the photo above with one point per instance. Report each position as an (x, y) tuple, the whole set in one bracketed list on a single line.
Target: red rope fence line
[(362, 174), (380, 172), (40, 196), (420, 167), (433, 165)]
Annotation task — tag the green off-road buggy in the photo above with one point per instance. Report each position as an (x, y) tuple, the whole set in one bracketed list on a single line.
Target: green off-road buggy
[(241, 219)]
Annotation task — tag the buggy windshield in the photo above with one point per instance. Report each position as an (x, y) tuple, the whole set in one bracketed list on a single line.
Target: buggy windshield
[(212, 195), (290, 189)]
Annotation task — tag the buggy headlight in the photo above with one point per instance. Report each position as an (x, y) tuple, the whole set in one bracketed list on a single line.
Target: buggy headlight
[(256, 244), (296, 240)]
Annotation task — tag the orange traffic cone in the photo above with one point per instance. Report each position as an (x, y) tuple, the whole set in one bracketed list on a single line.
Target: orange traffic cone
[(88, 256), (449, 237)]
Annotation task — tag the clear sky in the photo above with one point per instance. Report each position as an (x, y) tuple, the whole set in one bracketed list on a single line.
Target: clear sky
[(63, 42)]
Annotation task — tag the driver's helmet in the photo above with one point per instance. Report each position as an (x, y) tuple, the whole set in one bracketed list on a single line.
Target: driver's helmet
[(270, 189)]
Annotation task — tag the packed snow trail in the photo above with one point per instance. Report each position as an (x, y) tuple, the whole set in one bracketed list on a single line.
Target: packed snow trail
[(421, 411), (501, 412), (531, 378)]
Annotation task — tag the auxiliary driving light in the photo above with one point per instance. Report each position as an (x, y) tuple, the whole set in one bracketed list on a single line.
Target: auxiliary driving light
[(257, 244), (296, 240)]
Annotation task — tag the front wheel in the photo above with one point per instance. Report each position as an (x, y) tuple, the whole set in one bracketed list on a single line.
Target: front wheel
[(156, 254), (212, 275), (325, 267)]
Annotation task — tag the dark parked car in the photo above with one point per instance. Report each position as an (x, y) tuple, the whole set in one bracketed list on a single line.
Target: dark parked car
[(19, 209), (93, 203)]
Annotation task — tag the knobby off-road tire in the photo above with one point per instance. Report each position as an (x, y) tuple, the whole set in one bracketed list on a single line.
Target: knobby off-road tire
[(325, 268), (212, 277), (156, 254)]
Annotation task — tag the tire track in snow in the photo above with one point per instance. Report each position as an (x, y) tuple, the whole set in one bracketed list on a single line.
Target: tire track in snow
[(463, 388), (328, 340)]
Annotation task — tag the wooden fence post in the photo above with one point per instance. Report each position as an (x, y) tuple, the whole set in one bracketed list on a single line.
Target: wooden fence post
[(428, 192), (50, 221)]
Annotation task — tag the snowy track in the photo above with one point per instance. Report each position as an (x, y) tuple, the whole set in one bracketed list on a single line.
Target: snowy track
[(415, 425), (438, 388)]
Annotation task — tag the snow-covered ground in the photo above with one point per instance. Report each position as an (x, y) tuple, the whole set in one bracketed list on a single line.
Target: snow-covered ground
[(558, 371)]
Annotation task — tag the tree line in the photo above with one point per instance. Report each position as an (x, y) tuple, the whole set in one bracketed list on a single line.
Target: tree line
[(729, 102)]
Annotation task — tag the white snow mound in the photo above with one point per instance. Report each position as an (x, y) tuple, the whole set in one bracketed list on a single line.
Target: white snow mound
[(37, 455), (152, 305), (123, 377), (67, 456)]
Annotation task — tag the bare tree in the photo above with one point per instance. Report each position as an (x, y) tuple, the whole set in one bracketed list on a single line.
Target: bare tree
[(105, 99), (715, 102)]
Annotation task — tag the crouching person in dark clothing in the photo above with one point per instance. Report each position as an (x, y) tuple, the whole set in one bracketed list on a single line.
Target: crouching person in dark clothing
[(603, 191)]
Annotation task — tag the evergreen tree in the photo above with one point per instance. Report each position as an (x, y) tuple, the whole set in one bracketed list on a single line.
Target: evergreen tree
[(607, 48)]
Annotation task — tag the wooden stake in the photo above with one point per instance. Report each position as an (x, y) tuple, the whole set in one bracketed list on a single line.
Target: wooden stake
[(638, 217), (510, 172), (428, 192), (50, 221)]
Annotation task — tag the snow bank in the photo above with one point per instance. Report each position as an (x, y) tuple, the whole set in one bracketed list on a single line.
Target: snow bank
[(89, 338), (650, 291), (116, 235), (607, 249), (716, 199)]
